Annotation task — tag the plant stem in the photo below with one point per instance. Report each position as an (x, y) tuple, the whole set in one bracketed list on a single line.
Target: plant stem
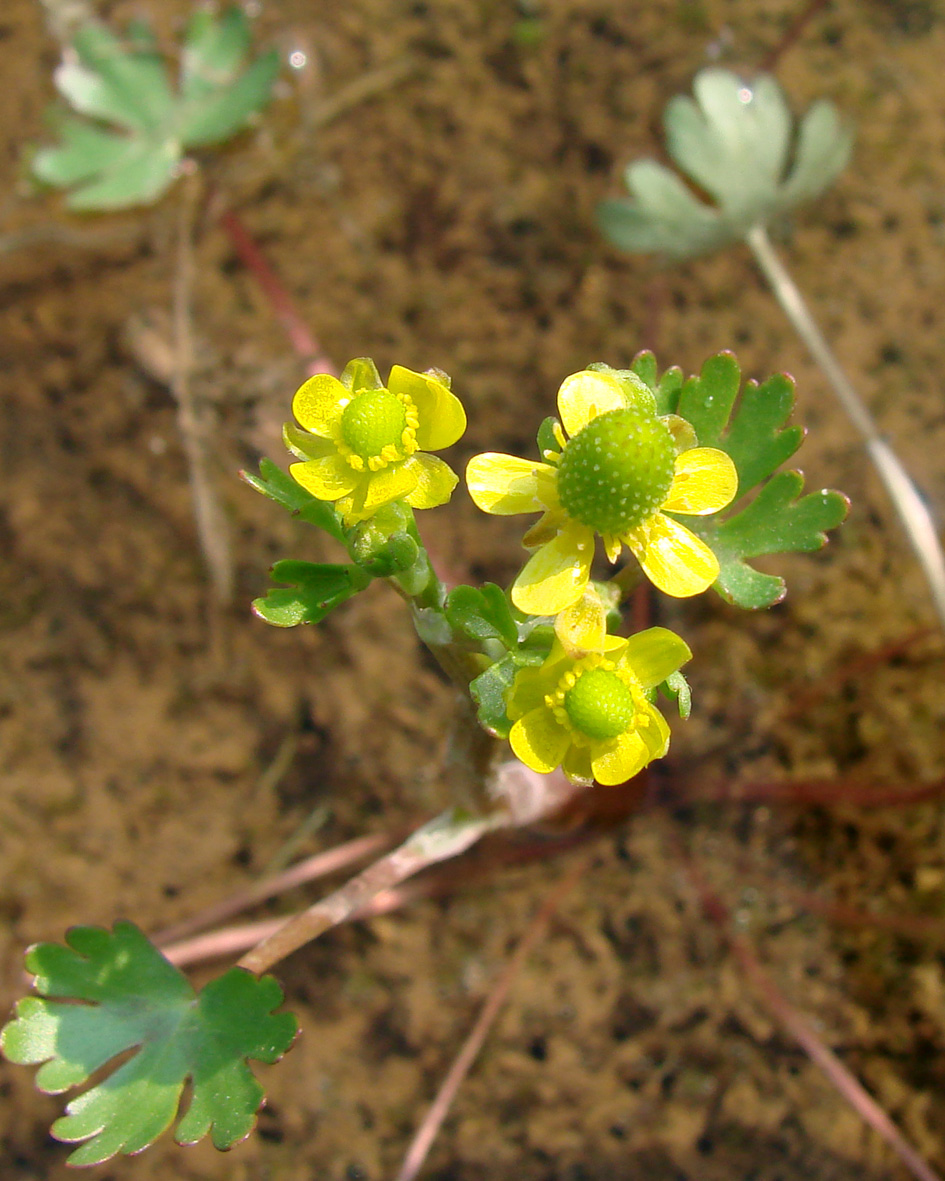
[(447, 835), (912, 510), (212, 526)]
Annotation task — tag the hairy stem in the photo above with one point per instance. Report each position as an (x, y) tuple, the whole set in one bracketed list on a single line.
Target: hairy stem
[(913, 512)]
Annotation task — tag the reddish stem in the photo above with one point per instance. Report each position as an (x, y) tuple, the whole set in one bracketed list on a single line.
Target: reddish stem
[(791, 36), (300, 337)]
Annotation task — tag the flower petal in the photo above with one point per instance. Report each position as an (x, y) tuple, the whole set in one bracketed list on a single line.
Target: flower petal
[(305, 445), (656, 734), (581, 628), (577, 765), (555, 576), (435, 481), (318, 404), (389, 484), (705, 481), (527, 692), (540, 740), (620, 759), (653, 655), (585, 395), (545, 529), (504, 484), (441, 414), (676, 561), (328, 478)]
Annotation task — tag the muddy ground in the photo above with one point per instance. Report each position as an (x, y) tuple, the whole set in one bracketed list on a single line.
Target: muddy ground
[(447, 219)]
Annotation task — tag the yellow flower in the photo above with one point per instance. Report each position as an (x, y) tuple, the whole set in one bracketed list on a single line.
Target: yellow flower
[(591, 715), (362, 443), (618, 475)]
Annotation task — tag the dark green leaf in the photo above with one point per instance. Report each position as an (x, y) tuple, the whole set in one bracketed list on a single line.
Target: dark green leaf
[(482, 614), (130, 998), (489, 690), (315, 589), (751, 430), (273, 482), (778, 521)]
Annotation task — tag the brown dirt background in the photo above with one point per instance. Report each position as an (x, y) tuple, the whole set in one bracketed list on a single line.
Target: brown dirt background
[(447, 221)]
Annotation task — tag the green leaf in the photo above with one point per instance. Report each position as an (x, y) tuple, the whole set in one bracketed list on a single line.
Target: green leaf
[(214, 50), (734, 140), (85, 150), (314, 590), (482, 614), (222, 114), (666, 388), (779, 519), (138, 177), (130, 998), (273, 482), (127, 86), (123, 85), (490, 688)]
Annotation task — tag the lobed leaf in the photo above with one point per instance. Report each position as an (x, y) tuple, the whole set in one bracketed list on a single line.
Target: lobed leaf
[(131, 151), (752, 430), (279, 486), (490, 689), (315, 590), (482, 614), (110, 992)]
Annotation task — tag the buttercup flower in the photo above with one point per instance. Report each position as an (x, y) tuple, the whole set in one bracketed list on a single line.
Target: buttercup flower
[(617, 475), (362, 442), (591, 715)]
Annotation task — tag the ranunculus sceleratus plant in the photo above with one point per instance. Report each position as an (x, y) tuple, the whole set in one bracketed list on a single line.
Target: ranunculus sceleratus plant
[(678, 477)]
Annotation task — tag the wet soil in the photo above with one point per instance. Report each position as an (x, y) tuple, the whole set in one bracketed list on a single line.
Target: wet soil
[(447, 219)]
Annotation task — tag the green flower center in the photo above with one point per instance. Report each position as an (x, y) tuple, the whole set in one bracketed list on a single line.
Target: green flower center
[(373, 420), (616, 472), (599, 704)]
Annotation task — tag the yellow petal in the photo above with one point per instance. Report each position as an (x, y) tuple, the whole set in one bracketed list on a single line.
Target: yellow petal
[(504, 484), (389, 484), (441, 414), (328, 478), (305, 445), (556, 575), (656, 733), (318, 404), (653, 655), (527, 692), (577, 765), (612, 546), (585, 395), (544, 530), (540, 740), (581, 628), (435, 482), (705, 481), (620, 759), (676, 561)]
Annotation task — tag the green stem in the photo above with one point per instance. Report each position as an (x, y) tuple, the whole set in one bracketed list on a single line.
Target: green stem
[(913, 512)]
